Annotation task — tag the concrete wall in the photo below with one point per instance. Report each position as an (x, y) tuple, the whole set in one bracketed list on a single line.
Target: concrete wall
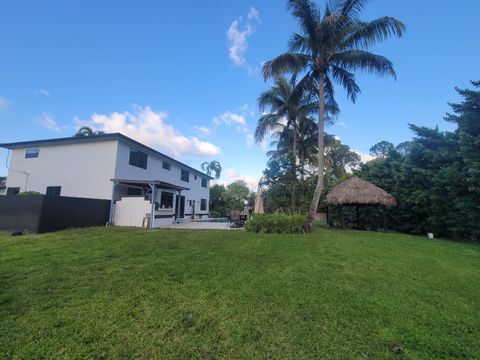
[(82, 170), (155, 171)]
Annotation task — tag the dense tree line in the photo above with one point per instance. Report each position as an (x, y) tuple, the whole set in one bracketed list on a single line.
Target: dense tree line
[(278, 178), (436, 176), (232, 196)]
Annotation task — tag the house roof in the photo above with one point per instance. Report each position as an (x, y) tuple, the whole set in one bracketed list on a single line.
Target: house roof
[(356, 191), (95, 138), (158, 183)]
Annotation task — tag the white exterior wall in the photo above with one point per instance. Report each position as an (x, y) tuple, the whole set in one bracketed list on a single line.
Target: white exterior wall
[(155, 171), (82, 170), (130, 211)]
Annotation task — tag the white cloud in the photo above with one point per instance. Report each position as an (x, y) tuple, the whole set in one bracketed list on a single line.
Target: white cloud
[(239, 120), (229, 118), (231, 175), (42, 92), (48, 121), (250, 140), (364, 156), (149, 127), (4, 103), (203, 130), (253, 14), (238, 35)]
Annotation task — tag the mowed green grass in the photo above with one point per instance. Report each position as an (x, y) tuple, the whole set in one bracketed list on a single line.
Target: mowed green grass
[(172, 294)]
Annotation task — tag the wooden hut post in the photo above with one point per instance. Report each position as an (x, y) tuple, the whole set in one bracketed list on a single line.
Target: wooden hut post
[(342, 214), (358, 217), (385, 220)]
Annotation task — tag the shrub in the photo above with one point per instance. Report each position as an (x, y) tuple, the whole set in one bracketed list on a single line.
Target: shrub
[(277, 223), (26, 193)]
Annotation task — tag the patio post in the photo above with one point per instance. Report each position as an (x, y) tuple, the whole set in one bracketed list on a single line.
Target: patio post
[(110, 218), (152, 211), (177, 204)]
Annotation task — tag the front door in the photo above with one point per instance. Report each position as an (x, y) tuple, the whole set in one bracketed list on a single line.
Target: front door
[(180, 203)]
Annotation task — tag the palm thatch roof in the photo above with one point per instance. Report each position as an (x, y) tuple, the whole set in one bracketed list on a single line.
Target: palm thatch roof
[(356, 191)]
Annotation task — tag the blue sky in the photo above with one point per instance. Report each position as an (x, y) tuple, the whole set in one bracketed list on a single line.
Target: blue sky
[(184, 77)]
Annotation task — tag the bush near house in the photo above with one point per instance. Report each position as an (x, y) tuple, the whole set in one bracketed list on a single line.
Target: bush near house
[(277, 223)]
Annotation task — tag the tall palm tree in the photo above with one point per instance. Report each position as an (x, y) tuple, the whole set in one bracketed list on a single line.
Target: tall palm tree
[(287, 103), (330, 47), (212, 167), (87, 131)]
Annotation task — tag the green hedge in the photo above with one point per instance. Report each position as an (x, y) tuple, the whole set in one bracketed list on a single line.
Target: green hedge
[(277, 223)]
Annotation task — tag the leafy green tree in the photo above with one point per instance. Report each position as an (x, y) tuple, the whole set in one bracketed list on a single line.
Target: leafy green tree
[(217, 203), (381, 149), (330, 47), (212, 167), (436, 179), (87, 131), (235, 195)]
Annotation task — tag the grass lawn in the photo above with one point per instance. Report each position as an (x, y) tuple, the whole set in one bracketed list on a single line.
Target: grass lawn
[(123, 293)]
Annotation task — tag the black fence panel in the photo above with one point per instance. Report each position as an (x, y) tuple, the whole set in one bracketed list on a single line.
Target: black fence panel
[(39, 213), (20, 213), (61, 212)]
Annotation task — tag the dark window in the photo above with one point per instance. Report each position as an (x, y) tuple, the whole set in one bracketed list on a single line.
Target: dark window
[(185, 176), (166, 200), (195, 176), (32, 153), (13, 190), (53, 190), (204, 182), (138, 158), (131, 191), (203, 204), (166, 165)]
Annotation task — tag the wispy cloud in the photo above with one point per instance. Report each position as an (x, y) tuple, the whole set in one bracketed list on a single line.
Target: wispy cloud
[(203, 130), (48, 121), (4, 103), (42, 93), (150, 127), (238, 119), (238, 34), (231, 175), (229, 118)]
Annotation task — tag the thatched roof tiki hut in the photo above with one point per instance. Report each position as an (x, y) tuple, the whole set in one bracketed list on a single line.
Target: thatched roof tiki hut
[(359, 193)]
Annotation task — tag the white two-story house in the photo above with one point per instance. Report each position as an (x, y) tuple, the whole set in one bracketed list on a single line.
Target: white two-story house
[(143, 185)]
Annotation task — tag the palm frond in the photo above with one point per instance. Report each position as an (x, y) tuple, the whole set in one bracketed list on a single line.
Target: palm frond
[(307, 14), (366, 34), (270, 99), (288, 62), (364, 61), (347, 80), (264, 126), (299, 43), (352, 8)]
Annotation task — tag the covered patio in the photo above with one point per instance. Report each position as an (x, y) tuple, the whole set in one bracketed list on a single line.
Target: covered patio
[(155, 202)]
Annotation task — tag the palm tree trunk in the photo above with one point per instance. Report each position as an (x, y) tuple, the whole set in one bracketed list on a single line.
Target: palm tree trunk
[(294, 167), (321, 147)]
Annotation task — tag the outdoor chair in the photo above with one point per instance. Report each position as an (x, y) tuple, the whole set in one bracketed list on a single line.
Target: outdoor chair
[(236, 219)]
